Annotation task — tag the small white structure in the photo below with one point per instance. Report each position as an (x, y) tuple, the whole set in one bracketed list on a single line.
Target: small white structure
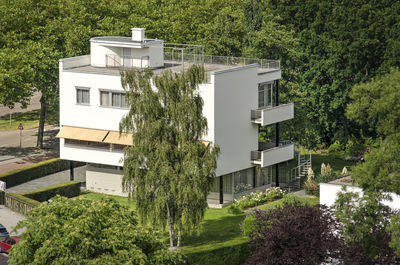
[(328, 192), (240, 95)]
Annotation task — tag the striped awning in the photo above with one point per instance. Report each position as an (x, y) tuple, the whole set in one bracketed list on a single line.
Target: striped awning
[(117, 138)]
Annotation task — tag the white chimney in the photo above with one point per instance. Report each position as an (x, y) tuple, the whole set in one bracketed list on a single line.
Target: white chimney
[(138, 34)]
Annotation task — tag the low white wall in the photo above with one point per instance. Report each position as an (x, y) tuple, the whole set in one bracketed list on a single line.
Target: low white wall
[(277, 114), (104, 180), (268, 76), (277, 155), (75, 61), (328, 194)]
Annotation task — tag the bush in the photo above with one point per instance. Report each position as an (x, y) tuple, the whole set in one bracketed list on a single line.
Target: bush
[(258, 197), (294, 234), (38, 170), (336, 146), (66, 189), (232, 209), (2, 197)]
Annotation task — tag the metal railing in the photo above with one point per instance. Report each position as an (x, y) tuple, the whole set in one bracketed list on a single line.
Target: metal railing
[(113, 60), (180, 56)]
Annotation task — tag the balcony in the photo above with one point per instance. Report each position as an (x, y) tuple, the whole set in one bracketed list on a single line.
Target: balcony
[(272, 114), (269, 154)]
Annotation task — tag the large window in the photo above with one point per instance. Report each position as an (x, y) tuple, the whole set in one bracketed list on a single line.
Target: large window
[(113, 99), (265, 94), (82, 95)]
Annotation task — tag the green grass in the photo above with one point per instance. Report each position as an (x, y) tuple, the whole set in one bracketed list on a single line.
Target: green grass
[(219, 228), (28, 119)]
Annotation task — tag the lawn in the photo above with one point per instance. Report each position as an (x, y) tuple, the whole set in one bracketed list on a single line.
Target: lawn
[(334, 160), (28, 119), (219, 238)]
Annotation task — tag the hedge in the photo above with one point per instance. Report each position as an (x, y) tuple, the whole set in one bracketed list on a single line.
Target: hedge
[(2, 197), (67, 189), (38, 170), (233, 255)]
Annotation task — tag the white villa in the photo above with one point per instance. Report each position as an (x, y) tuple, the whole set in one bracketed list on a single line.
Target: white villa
[(240, 96)]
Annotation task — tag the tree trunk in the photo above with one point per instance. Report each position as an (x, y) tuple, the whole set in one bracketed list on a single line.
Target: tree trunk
[(43, 110), (171, 226), (178, 244)]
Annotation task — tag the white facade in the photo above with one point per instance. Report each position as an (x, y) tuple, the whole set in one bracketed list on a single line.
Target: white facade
[(88, 85), (328, 195)]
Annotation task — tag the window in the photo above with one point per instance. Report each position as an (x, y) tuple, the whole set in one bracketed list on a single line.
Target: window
[(83, 95), (265, 94), (113, 99)]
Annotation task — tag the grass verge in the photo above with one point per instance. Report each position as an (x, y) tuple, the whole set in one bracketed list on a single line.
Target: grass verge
[(28, 119)]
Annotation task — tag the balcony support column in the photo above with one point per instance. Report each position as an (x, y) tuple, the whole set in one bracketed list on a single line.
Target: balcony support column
[(221, 190), (71, 170), (277, 132)]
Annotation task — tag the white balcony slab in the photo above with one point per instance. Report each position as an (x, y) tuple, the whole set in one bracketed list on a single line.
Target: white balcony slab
[(275, 155), (273, 114)]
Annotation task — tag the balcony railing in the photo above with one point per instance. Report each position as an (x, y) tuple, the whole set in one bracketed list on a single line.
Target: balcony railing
[(272, 114), (270, 154), (113, 60), (181, 57)]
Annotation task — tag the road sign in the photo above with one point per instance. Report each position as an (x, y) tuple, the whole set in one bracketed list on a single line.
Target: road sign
[(20, 127)]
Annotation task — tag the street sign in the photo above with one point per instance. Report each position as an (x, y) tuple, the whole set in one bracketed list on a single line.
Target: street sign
[(20, 127)]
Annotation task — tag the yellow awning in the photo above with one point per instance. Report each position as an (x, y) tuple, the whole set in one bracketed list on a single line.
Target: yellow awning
[(116, 138), (83, 134), (206, 143)]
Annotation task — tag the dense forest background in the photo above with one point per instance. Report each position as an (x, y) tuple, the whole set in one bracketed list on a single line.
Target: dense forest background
[(325, 48)]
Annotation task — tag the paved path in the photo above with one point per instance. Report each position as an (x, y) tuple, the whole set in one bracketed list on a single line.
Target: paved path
[(9, 219), (53, 179)]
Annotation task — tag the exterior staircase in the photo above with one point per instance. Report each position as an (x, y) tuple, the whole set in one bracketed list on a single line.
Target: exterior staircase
[(299, 172)]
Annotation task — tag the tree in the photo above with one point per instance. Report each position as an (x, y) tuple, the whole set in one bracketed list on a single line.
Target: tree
[(294, 234), (375, 104), (83, 231), (168, 170), (365, 221)]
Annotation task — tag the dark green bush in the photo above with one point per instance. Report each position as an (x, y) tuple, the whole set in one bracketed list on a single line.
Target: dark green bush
[(2, 197), (38, 170), (66, 189), (232, 209), (336, 146)]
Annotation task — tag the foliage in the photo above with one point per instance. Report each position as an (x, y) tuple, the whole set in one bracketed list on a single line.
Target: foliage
[(168, 170), (67, 189), (258, 197), (70, 231), (381, 169), (365, 220), (336, 146), (310, 185), (294, 234), (375, 104), (394, 229), (38, 170)]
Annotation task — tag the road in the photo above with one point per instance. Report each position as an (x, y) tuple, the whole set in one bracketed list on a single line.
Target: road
[(33, 105)]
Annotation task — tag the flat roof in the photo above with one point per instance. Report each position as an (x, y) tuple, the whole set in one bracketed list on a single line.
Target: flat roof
[(123, 40)]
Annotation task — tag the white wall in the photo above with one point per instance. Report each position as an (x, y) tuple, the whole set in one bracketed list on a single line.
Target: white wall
[(98, 53), (235, 96), (269, 76), (92, 116), (206, 91), (104, 180), (328, 194), (156, 53), (90, 155), (277, 155), (277, 114)]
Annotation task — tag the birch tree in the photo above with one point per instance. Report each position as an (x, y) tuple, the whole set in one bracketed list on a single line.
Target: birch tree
[(169, 169)]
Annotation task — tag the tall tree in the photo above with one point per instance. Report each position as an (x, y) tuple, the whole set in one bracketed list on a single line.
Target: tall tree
[(168, 170)]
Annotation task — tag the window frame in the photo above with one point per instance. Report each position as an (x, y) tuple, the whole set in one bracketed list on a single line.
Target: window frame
[(77, 98), (268, 94), (110, 99)]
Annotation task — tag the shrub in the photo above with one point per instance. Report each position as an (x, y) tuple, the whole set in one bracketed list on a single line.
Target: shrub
[(66, 189), (38, 170), (232, 209), (294, 234), (336, 146), (259, 197)]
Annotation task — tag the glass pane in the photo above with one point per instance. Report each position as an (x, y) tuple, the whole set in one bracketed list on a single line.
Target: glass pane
[(124, 103), (78, 96), (116, 99), (85, 96), (103, 98), (261, 99)]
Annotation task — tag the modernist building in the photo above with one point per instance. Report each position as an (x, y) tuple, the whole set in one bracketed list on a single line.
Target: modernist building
[(239, 96)]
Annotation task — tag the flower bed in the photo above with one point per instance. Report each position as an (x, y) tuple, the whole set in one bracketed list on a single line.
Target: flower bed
[(259, 197)]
